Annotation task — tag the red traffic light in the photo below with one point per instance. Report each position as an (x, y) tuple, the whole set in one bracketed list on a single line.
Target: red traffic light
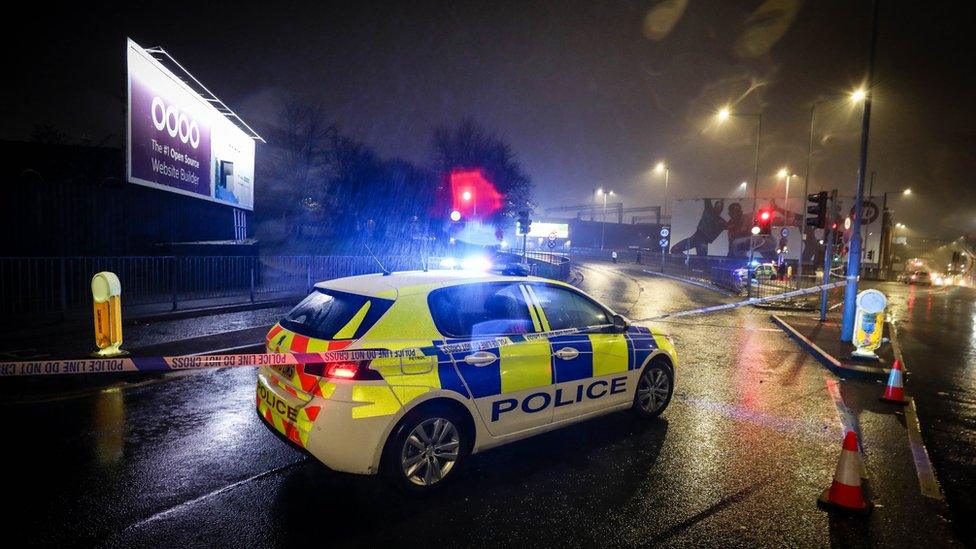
[(764, 215)]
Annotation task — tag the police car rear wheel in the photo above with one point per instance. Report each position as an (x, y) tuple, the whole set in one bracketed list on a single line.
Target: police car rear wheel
[(426, 450), (653, 390)]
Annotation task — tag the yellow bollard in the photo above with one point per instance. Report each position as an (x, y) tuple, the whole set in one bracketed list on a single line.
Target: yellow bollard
[(107, 305), (868, 324)]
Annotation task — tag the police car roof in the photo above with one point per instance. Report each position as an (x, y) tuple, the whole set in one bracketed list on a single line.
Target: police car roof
[(405, 282)]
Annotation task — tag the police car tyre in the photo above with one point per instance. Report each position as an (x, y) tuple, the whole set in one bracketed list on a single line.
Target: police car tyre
[(654, 389), (426, 449)]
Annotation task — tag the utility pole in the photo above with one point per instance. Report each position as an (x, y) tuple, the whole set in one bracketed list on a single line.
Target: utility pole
[(854, 253)]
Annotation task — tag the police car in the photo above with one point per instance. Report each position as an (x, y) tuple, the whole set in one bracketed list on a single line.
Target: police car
[(422, 369)]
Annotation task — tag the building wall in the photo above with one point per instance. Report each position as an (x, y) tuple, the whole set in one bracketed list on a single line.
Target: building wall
[(70, 200)]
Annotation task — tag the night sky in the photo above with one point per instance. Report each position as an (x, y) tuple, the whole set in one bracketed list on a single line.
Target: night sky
[(588, 94)]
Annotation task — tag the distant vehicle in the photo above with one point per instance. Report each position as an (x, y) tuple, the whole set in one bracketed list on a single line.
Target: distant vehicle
[(443, 364), (765, 270), (920, 278)]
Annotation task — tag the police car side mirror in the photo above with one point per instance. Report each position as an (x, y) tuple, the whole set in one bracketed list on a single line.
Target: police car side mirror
[(619, 323)]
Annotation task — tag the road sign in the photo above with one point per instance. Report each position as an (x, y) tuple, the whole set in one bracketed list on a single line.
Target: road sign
[(551, 244), (665, 232), (784, 232), (664, 242)]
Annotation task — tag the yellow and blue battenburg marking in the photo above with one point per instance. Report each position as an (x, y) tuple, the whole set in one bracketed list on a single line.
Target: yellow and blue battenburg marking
[(538, 367)]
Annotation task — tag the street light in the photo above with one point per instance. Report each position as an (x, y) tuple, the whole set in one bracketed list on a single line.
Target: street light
[(724, 114), (603, 231), (857, 96), (885, 229), (661, 167)]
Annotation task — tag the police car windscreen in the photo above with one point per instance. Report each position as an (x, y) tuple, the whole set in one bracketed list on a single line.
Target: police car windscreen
[(327, 314)]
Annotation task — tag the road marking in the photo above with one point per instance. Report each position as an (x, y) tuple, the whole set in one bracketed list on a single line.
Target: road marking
[(926, 474), (208, 495), (847, 419)]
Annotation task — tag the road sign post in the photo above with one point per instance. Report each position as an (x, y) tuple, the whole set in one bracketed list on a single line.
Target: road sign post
[(663, 242)]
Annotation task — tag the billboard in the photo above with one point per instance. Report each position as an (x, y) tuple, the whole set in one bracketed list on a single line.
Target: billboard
[(721, 227), (177, 141), (543, 230)]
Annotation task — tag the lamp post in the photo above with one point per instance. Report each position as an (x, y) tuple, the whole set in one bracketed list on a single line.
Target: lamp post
[(886, 231), (724, 114), (603, 229), (855, 96), (854, 253), (662, 167)]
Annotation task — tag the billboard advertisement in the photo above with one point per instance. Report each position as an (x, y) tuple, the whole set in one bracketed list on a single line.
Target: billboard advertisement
[(721, 227), (178, 142), (544, 230)]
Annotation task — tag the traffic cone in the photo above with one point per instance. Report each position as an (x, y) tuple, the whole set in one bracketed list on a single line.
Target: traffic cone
[(845, 491), (895, 390)]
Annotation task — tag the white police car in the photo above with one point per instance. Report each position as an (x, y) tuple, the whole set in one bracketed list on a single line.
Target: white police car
[(435, 366)]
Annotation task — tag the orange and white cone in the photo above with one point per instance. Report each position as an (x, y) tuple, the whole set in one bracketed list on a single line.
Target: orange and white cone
[(845, 491), (895, 390)]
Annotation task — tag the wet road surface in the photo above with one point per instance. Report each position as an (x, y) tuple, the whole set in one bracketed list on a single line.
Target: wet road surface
[(937, 331), (748, 443)]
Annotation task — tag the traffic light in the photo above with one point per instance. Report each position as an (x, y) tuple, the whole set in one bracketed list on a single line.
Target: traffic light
[(817, 210), (765, 221), (524, 223)]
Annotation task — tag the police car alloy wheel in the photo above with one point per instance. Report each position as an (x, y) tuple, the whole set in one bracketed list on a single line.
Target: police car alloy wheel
[(425, 450), (653, 390), (430, 451)]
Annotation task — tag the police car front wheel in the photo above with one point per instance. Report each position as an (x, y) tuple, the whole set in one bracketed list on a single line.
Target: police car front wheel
[(425, 451), (654, 390)]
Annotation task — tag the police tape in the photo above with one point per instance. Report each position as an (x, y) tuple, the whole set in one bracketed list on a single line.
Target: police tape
[(196, 362), (750, 301)]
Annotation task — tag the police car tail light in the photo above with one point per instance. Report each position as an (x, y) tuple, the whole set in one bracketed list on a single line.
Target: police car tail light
[(346, 369)]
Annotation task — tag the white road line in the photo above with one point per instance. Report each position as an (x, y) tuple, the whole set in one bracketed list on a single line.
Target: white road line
[(847, 419), (926, 474)]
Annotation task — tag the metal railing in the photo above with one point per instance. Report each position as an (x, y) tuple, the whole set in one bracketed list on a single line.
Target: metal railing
[(61, 286)]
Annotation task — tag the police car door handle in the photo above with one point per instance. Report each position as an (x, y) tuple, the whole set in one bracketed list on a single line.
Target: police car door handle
[(567, 353), (481, 358)]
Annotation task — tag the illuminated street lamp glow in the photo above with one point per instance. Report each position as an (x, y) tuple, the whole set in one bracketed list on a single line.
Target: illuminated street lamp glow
[(455, 215), (783, 172), (660, 167), (466, 195), (858, 95), (723, 114), (906, 192)]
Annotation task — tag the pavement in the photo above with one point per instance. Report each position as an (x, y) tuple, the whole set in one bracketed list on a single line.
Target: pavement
[(750, 440)]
